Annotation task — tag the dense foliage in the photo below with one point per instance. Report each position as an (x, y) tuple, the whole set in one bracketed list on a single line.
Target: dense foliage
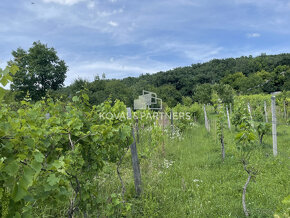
[(40, 70), (52, 152), (244, 75), (5, 78)]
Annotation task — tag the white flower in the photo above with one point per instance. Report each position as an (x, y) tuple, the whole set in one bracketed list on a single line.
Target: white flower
[(167, 163)]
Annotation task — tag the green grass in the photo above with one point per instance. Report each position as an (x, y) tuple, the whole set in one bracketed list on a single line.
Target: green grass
[(190, 180)]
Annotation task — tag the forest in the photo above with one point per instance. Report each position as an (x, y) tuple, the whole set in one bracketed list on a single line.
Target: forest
[(242, 76)]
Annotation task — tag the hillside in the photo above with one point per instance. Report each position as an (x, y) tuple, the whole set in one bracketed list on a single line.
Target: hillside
[(245, 75)]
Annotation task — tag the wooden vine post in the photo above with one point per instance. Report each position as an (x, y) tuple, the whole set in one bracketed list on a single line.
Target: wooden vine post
[(163, 140), (285, 111), (137, 130), (220, 130), (265, 110), (135, 160), (250, 111), (171, 118), (206, 120), (215, 131), (228, 115), (274, 126)]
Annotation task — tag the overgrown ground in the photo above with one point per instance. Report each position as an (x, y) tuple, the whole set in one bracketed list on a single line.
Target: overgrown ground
[(190, 179)]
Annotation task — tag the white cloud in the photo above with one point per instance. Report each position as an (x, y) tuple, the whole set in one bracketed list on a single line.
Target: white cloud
[(63, 2), (272, 5), (195, 52), (112, 23), (91, 5), (190, 52), (253, 35), (93, 17), (120, 67), (200, 54), (113, 69), (104, 13)]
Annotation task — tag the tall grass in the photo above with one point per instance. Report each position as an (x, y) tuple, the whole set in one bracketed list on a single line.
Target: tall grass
[(190, 179)]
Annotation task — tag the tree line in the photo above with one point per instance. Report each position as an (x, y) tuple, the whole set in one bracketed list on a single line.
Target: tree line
[(42, 72)]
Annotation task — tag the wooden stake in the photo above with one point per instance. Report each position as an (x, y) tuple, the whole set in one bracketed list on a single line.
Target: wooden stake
[(229, 121), (215, 131), (137, 130), (206, 120), (266, 113), (274, 125), (135, 160), (163, 141), (171, 117), (222, 143), (285, 112), (250, 112)]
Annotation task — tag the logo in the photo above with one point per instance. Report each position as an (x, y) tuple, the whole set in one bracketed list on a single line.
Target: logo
[(148, 100)]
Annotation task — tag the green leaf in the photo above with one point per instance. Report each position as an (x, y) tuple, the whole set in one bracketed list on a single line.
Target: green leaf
[(75, 98), (286, 200), (13, 69), (27, 211), (2, 92), (20, 193), (252, 136), (85, 97), (39, 157), (239, 135), (17, 215), (4, 81), (12, 168), (52, 179), (27, 179), (57, 164), (36, 166)]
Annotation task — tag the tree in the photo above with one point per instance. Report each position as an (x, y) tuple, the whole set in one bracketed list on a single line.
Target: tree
[(268, 85), (286, 86), (40, 70), (117, 90), (169, 94), (254, 84), (237, 81), (225, 92), (282, 76), (202, 93), (187, 101)]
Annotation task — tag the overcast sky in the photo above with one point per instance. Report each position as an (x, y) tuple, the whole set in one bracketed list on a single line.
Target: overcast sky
[(129, 37)]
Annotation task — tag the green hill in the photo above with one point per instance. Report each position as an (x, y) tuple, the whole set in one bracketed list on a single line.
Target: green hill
[(245, 75)]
